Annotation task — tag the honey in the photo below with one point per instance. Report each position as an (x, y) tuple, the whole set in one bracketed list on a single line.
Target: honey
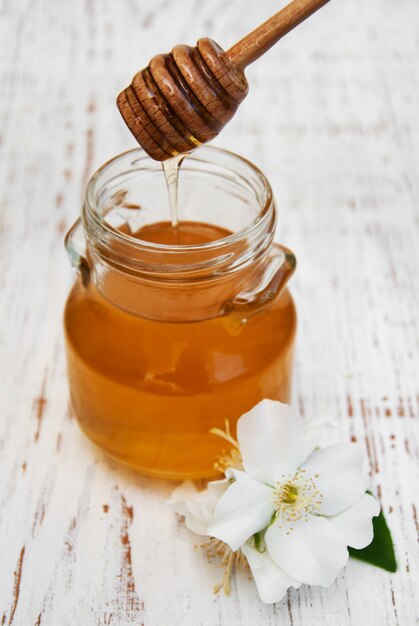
[(156, 359)]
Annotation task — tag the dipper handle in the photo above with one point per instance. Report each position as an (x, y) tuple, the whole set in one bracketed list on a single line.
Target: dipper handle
[(260, 40)]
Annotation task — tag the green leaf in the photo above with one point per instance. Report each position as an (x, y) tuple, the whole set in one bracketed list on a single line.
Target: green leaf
[(380, 552)]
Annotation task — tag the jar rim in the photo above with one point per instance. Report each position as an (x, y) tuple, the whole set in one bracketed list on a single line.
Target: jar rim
[(94, 214), (181, 262)]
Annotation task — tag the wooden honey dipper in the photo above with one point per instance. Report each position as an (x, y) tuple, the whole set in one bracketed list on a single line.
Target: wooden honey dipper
[(185, 98)]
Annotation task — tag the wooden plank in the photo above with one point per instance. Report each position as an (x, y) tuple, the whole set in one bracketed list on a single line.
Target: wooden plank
[(332, 119)]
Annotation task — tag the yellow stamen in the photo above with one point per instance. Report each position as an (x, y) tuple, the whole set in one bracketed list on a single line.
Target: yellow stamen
[(228, 458), (297, 497), (231, 458), (216, 549), (225, 582), (225, 434)]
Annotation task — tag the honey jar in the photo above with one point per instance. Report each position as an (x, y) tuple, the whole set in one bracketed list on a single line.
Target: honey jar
[(172, 330)]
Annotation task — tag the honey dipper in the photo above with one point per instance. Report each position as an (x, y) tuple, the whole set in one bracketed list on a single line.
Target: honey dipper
[(185, 98)]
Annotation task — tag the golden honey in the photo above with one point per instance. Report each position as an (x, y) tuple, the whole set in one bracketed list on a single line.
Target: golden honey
[(158, 358)]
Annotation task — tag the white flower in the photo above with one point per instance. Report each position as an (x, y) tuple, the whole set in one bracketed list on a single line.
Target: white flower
[(312, 502), (287, 507), (198, 507)]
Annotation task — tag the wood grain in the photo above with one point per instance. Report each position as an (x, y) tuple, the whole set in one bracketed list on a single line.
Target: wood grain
[(332, 118), (260, 40)]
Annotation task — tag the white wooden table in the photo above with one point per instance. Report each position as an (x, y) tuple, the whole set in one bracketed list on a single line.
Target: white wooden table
[(333, 120)]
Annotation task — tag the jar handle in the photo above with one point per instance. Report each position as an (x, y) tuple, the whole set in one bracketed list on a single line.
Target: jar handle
[(278, 270), (75, 245)]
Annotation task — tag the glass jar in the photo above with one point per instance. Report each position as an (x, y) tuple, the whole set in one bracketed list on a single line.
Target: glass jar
[(165, 342)]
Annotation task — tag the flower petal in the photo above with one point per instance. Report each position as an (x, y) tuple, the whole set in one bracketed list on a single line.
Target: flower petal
[(355, 524), (271, 582), (271, 441), (178, 497), (318, 431), (337, 472), (313, 552), (245, 508), (197, 506)]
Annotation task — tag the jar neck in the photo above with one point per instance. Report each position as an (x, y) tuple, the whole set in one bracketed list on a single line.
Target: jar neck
[(178, 282), (183, 283)]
